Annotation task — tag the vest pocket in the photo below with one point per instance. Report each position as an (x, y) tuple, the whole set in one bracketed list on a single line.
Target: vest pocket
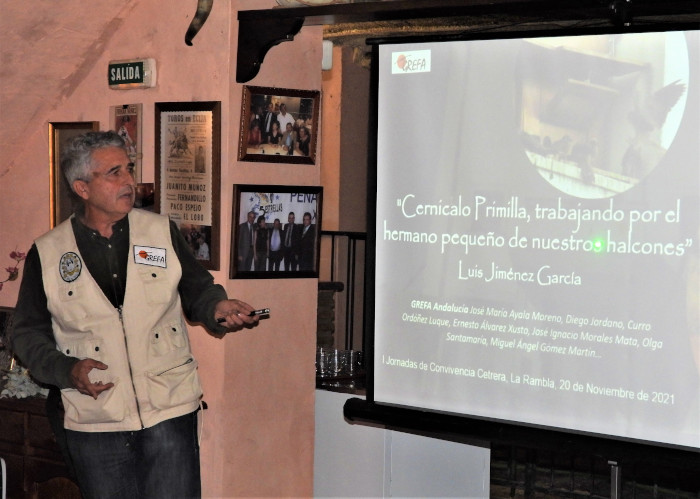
[(155, 285), (174, 384), (72, 300), (167, 338), (86, 349), (83, 409)]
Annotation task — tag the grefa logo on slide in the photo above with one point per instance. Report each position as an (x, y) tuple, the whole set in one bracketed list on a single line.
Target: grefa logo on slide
[(414, 61)]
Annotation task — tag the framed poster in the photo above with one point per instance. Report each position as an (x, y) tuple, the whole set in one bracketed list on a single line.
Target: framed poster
[(279, 125), (126, 120), (188, 173), (62, 199), (275, 231)]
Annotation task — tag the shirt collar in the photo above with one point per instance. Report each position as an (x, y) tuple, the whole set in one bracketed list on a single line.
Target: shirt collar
[(119, 228)]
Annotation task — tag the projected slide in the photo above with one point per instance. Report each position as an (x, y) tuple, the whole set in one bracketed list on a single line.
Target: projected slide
[(538, 232)]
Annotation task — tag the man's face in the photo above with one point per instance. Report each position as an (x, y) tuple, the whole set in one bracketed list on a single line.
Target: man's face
[(111, 189), (251, 218), (307, 220)]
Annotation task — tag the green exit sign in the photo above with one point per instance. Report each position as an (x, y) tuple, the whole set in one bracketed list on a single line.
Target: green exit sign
[(134, 73)]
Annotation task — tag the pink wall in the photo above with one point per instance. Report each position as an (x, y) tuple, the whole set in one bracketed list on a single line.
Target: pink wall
[(257, 437)]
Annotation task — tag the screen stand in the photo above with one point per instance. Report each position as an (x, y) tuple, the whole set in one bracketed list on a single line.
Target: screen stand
[(615, 480)]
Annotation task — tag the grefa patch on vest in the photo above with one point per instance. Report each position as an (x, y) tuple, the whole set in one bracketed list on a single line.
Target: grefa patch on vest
[(148, 255), (70, 266)]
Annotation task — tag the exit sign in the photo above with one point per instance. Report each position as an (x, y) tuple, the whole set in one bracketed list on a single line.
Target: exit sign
[(133, 73)]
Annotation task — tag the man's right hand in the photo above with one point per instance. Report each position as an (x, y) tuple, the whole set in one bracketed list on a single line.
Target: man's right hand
[(81, 381)]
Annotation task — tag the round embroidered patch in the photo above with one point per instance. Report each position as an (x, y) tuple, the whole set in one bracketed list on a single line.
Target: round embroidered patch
[(70, 266)]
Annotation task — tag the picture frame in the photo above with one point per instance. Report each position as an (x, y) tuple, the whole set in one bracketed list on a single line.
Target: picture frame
[(127, 121), (62, 198), (284, 253), (188, 173), (263, 106), (6, 316)]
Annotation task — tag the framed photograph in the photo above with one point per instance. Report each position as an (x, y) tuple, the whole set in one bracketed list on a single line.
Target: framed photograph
[(188, 173), (275, 231), (279, 125), (62, 198), (126, 121), (5, 325)]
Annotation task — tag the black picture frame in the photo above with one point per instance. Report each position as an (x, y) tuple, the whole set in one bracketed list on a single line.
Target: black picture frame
[(187, 184), (271, 202), (300, 106)]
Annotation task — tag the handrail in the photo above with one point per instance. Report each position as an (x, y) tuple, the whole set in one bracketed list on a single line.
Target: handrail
[(351, 266)]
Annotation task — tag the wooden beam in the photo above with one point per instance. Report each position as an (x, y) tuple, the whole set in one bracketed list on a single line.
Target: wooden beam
[(259, 30)]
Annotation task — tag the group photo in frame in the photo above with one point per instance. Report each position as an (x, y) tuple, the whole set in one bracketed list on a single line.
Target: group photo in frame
[(279, 125), (275, 231), (188, 173), (63, 200)]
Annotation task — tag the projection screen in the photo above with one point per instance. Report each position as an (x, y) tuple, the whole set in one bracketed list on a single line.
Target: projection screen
[(537, 232)]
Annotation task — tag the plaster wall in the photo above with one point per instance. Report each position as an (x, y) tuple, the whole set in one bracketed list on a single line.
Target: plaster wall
[(257, 434)]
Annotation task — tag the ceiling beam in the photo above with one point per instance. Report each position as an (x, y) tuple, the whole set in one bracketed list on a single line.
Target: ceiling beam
[(260, 30)]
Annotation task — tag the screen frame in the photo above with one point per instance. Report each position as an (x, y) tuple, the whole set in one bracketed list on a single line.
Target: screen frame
[(452, 426)]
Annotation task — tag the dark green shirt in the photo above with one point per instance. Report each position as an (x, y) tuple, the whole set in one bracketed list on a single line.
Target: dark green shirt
[(106, 259)]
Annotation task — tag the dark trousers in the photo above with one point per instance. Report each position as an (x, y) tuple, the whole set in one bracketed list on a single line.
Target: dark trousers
[(291, 259), (157, 462), (261, 260), (247, 262), (273, 263)]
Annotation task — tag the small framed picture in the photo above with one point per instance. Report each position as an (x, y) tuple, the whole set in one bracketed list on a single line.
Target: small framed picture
[(279, 125), (62, 199), (275, 231), (126, 120), (5, 326)]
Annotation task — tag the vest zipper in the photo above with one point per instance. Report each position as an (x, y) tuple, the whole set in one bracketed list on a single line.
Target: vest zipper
[(131, 373), (188, 361)]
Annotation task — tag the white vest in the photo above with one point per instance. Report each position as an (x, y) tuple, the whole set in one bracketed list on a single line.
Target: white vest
[(147, 350)]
